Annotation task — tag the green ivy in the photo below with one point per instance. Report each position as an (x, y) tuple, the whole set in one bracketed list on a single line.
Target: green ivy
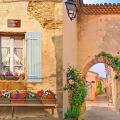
[(75, 86), (115, 62)]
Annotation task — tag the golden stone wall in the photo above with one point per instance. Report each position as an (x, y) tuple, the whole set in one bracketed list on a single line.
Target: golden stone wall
[(52, 38)]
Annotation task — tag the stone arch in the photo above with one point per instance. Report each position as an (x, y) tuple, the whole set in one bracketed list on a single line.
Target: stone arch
[(95, 61), (116, 82)]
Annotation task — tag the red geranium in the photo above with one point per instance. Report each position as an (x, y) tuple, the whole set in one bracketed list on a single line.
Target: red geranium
[(0, 93)]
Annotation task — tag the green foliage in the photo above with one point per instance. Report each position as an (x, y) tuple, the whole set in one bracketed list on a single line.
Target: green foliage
[(100, 87), (75, 86), (115, 62), (72, 113)]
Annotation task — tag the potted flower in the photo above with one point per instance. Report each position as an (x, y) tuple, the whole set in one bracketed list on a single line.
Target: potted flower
[(11, 76), (31, 97), (46, 96), (4, 97), (18, 96), (72, 113)]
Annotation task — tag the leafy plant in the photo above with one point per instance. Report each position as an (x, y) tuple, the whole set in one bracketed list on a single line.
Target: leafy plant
[(115, 62), (72, 113), (77, 89), (100, 87)]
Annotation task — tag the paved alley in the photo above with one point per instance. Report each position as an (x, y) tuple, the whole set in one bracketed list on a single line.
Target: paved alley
[(101, 110)]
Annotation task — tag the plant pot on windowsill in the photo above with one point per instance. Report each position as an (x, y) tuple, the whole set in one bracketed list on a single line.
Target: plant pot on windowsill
[(12, 77)]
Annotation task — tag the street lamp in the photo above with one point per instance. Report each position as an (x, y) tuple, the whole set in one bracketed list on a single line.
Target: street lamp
[(71, 9)]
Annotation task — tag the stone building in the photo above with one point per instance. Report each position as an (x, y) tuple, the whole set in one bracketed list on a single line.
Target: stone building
[(31, 36), (60, 43), (95, 29)]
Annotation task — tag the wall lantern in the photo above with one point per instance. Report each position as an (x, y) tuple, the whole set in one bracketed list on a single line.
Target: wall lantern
[(71, 9)]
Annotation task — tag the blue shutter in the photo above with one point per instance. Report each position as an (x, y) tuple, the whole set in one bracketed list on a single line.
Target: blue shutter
[(34, 50)]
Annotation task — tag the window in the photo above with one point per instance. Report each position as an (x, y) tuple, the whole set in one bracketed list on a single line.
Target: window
[(11, 53)]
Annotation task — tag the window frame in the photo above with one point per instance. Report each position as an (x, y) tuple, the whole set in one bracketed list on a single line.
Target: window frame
[(15, 34)]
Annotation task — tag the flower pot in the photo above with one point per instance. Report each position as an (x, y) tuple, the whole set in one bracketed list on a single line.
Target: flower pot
[(17, 101), (32, 101), (20, 94), (11, 77), (4, 101), (47, 101)]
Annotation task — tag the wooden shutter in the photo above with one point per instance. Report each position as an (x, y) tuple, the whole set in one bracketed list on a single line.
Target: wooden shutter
[(34, 56)]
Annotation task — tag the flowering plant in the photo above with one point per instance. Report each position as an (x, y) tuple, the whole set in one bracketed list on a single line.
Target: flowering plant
[(31, 95), (18, 94), (8, 73), (46, 94), (4, 94)]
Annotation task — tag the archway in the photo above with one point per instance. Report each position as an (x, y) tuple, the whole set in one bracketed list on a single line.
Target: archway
[(111, 95)]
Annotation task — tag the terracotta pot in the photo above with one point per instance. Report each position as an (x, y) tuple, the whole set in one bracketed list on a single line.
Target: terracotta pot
[(47, 101), (17, 101), (11, 77), (4, 100)]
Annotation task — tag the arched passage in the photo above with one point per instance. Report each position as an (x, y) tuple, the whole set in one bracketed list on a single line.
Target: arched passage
[(106, 61), (95, 61)]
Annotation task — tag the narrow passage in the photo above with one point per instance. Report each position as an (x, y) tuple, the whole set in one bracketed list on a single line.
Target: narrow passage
[(101, 109)]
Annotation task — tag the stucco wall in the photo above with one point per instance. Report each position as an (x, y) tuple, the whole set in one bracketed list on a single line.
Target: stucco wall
[(96, 34), (69, 50), (52, 48)]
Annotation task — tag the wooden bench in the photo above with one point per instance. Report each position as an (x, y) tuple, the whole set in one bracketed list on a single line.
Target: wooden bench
[(45, 106)]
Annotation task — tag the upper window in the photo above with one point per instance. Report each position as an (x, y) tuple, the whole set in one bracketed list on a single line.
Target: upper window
[(100, 1), (11, 53)]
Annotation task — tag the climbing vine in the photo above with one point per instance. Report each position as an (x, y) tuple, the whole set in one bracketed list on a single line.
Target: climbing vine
[(77, 89), (115, 62)]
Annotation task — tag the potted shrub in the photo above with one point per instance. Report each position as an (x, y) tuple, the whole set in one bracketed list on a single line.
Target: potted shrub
[(18, 96), (46, 97), (72, 113)]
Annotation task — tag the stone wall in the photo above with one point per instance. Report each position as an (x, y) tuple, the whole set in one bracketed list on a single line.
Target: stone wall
[(52, 66)]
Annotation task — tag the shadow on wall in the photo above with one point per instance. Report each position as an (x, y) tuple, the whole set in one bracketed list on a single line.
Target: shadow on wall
[(58, 44)]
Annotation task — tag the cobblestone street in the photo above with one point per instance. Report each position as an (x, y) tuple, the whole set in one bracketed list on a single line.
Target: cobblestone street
[(101, 110)]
